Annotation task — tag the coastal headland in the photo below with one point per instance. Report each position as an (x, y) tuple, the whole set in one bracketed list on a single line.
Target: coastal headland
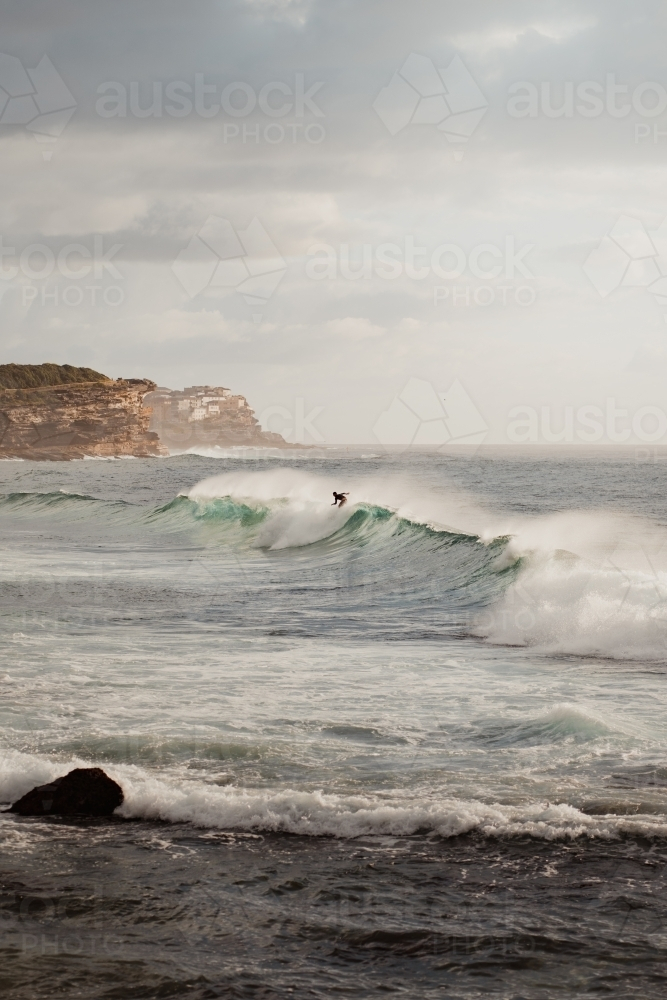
[(60, 412)]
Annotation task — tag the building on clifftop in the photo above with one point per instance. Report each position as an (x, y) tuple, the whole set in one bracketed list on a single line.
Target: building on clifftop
[(208, 415)]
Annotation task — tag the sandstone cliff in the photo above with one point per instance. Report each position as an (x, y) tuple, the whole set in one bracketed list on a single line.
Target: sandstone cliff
[(77, 419), (60, 412), (208, 416)]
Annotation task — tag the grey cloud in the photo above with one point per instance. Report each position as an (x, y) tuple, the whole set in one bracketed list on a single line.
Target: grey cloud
[(150, 183)]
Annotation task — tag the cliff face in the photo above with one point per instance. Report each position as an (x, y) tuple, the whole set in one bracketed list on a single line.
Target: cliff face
[(99, 419), (58, 412), (210, 416)]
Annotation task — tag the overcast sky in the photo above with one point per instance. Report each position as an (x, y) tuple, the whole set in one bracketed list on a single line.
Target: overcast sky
[(399, 127)]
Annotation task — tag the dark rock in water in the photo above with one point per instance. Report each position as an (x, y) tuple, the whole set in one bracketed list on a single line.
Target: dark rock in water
[(85, 791)]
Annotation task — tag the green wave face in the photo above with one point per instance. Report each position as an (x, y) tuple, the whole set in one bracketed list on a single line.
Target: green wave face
[(222, 509), (280, 564), (391, 554), (68, 506), (361, 523)]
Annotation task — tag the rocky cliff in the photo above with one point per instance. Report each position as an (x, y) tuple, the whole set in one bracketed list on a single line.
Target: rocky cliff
[(208, 416), (59, 412), (76, 419)]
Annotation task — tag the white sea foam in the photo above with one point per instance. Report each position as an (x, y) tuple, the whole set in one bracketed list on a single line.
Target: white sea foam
[(590, 585), (19, 772), (317, 813), (301, 524)]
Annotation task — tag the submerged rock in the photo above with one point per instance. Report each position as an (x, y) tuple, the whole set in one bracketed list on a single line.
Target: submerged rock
[(85, 791)]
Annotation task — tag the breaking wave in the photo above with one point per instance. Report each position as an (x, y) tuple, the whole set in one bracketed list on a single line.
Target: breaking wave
[(316, 813), (578, 583)]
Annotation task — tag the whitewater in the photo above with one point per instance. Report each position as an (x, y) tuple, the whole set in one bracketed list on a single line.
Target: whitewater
[(242, 655), (427, 726)]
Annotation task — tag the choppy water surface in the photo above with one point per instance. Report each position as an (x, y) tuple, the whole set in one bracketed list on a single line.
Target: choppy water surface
[(415, 743)]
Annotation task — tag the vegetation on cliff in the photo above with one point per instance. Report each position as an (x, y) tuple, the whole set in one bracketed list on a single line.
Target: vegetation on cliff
[(33, 376)]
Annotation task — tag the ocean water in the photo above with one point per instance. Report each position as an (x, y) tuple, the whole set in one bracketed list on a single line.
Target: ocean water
[(414, 745)]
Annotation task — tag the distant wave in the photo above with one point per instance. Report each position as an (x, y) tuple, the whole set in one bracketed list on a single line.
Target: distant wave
[(251, 453), (562, 722), (68, 505)]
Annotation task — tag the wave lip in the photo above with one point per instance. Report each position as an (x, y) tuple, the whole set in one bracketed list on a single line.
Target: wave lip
[(294, 522)]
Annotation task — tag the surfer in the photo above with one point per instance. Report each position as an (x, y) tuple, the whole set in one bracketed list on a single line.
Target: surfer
[(339, 498)]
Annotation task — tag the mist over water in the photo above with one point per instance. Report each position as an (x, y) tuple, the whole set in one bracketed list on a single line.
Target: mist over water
[(467, 648)]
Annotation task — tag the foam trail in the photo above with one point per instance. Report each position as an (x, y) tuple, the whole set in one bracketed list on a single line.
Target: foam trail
[(585, 533)]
